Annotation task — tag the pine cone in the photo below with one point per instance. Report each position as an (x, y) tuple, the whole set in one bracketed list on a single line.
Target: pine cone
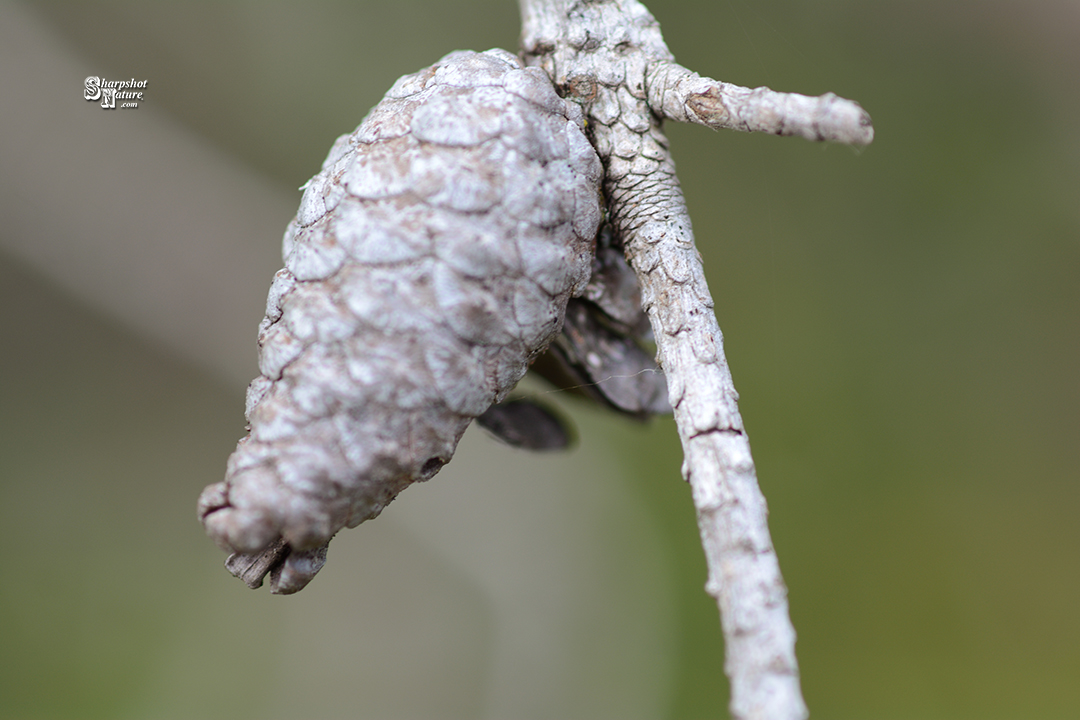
[(430, 262)]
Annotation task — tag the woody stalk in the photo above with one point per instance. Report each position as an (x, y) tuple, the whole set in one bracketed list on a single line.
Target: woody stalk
[(610, 56)]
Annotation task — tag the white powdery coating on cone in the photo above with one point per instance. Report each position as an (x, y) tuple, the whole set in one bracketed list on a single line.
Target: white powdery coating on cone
[(429, 263)]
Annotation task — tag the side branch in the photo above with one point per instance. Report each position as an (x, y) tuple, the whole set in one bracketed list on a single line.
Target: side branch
[(680, 94)]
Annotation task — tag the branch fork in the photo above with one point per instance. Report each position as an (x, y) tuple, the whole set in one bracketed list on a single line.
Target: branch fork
[(611, 57)]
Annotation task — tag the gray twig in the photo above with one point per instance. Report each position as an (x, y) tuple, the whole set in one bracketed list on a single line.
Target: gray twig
[(610, 56)]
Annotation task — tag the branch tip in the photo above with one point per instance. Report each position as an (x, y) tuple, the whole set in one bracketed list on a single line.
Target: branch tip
[(677, 93)]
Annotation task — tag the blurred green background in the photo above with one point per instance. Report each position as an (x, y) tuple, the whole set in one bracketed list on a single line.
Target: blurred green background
[(903, 325)]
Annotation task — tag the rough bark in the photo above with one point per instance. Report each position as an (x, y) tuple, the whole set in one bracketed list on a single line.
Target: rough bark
[(609, 55)]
